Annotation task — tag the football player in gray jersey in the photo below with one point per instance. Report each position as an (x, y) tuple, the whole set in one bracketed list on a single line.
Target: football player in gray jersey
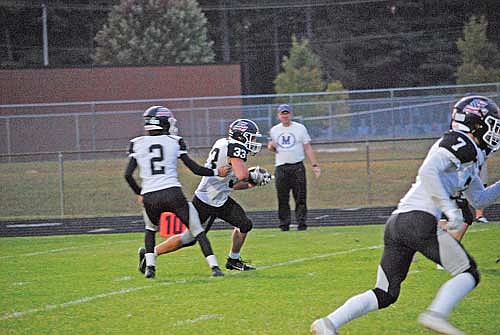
[(156, 156), (451, 166), (212, 197)]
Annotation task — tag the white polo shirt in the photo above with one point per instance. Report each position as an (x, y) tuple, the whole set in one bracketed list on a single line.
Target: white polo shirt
[(289, 142)]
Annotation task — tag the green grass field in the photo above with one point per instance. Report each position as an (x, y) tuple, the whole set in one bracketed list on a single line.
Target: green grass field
[(86, 284)]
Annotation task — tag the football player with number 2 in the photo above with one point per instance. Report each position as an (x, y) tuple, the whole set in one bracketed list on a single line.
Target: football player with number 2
[(212, 197), (156, 156), (451, 166)]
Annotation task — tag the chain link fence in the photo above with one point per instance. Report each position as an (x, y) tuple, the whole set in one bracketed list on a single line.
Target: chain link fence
[(68, 159)]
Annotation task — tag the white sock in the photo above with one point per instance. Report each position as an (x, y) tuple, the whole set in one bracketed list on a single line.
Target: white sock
[(451, 293), (150, 259), (212, 261), (234, 255), (353, 308)]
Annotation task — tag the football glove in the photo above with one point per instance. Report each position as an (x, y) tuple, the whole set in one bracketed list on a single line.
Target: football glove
[(259, 176), (463, 204)]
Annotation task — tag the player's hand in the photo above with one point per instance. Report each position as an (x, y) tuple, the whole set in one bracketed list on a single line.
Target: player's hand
[(463, 204), (140, 200), (455, 218), (259, 176), (224, 170)]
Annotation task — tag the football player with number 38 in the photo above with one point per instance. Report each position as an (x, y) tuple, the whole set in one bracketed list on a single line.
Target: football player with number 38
[(451, 166), (212, 197)]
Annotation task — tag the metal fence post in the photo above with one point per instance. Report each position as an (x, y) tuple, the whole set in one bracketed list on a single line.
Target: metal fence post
[(368, 174), (77, 135), (94, 121), (7, 133), (61, 183)]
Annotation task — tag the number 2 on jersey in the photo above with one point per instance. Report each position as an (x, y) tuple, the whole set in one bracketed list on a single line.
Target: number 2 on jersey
[(157, 150)]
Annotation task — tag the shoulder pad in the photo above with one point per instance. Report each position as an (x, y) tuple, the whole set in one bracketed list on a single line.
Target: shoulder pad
[(132, 142), (237, 150), (460, 145)]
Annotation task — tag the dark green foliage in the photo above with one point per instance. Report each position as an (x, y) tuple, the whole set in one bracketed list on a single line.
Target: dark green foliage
[(480, 58), (143, 32)]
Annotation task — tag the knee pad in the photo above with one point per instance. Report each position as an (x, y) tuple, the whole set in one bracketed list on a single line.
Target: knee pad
[(475, 273), (384, 298), (187, 239), (246, 226)]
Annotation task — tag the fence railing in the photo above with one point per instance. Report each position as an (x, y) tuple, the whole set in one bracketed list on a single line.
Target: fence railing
[(329, 116)]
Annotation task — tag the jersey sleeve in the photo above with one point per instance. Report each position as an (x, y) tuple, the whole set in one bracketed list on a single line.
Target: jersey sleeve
[(133, 147), (237, 150), (460, 145)]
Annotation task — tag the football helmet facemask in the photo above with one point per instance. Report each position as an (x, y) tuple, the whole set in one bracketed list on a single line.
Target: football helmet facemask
[(160, 118), (479, 116), (247, 132)]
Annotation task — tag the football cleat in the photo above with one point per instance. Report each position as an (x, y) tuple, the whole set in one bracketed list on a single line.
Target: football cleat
[(150, 272), (323, 327), (481, 219), (238, 264), (217, 272), (142, 259), (437, 323)]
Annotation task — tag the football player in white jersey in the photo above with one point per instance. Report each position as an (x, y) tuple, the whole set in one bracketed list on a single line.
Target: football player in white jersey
[(156, 155), (451, 166), (212, 197)]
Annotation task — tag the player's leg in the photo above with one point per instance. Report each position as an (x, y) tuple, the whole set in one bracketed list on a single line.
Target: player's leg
[(147, 256), (188, 213), (235, 215), (446, 250), (393, 268)]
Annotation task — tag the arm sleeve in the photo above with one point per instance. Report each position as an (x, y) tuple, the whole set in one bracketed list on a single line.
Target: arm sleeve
[(429, 174), (195, 167), (480, 197), (129, 176)]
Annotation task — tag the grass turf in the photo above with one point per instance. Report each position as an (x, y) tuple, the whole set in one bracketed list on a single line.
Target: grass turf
[(89, 284)]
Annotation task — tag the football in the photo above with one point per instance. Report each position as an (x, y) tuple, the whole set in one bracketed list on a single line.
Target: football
[(259, 176)]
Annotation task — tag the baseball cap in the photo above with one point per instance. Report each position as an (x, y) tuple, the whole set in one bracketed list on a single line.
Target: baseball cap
[(284, 108)]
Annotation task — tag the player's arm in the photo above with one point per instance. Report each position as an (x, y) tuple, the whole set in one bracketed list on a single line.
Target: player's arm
[(239, 168), (429, 175), (201, 170), (479, 196), (196, 168), (129, 171)]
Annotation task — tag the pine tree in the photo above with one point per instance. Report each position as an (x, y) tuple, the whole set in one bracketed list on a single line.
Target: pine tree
[(301, 71), (140, 32), (480, 60)]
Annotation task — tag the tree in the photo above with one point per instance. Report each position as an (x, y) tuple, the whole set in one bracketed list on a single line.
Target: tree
[(302, 72), (154, 32), (480, 59)]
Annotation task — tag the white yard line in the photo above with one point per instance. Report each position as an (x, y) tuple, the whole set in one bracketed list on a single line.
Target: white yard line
[(47, 308), (198, 319), (50, 251)]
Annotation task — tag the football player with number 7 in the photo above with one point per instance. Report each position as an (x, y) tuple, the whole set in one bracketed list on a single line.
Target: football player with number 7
[(451, 166), (212, 197), (156, 155)]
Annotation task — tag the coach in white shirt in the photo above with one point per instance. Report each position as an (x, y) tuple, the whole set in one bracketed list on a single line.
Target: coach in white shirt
[(291, 142)]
